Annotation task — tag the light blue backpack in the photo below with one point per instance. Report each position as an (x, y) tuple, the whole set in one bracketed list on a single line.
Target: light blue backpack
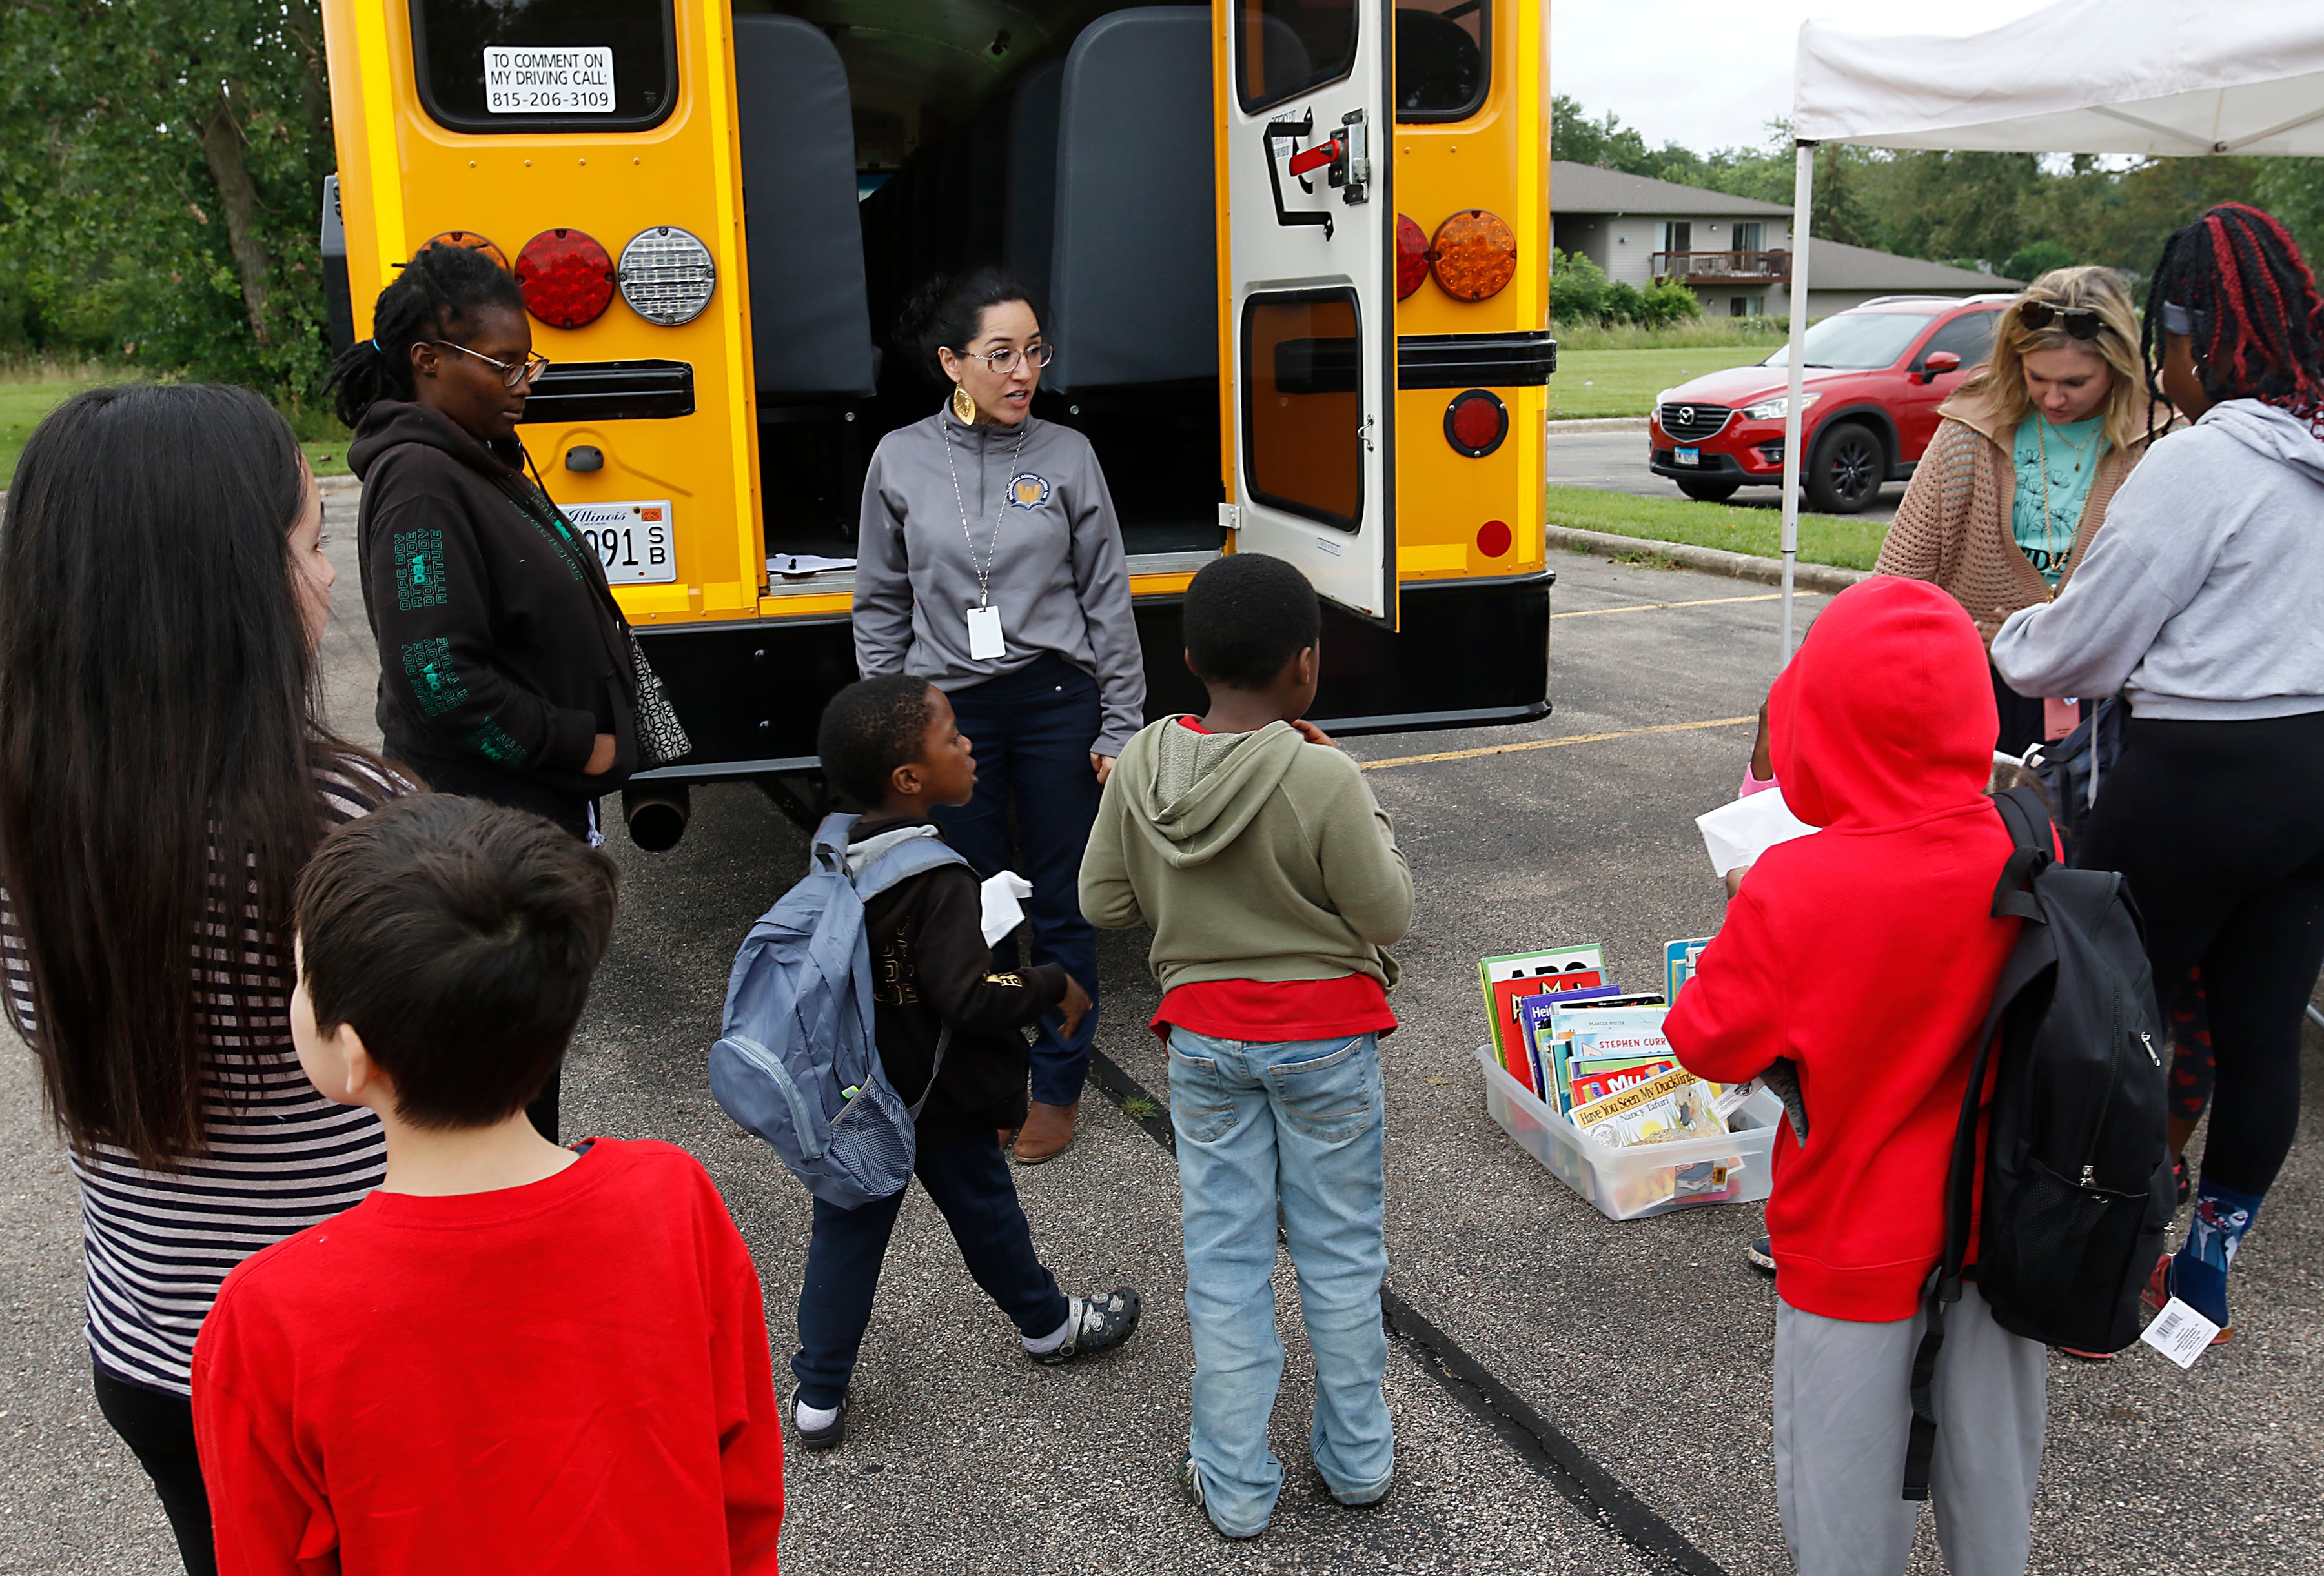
[(796, 1063)]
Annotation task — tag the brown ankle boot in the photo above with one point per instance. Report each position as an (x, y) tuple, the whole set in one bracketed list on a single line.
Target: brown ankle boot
[(1047, 1131)]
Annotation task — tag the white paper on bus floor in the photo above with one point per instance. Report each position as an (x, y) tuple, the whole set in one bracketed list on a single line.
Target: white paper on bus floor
[(1736, 834)]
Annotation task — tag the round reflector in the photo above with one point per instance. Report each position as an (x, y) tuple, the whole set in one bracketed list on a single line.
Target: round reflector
[(1476, 254), (1475, 422), (666, 275), (470, 240), (1493, 538), (567, 278), (1411, 256)]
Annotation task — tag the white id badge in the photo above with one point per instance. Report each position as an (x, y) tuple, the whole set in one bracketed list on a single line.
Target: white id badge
[(985, 633)]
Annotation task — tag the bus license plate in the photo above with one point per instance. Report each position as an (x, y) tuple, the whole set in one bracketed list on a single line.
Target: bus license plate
[(631, 539), (1687, 456)]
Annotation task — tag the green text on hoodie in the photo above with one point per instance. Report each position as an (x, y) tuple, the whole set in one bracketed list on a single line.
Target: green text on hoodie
[(1254, 856)]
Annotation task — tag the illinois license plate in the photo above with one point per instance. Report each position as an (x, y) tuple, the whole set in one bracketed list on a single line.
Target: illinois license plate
[(1687, 456)]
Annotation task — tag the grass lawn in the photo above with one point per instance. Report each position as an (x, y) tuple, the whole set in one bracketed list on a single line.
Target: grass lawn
[(26, 397), (1843, 540), (1624, 383)]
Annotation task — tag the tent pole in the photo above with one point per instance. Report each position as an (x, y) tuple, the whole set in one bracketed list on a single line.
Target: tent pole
[(1802, 211)]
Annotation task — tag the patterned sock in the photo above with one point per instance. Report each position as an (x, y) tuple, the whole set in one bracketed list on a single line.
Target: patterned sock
[(2199, 1274)]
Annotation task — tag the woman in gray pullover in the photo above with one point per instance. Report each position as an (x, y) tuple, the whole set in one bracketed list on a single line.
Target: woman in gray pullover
[(988, 559), (2199, 603)]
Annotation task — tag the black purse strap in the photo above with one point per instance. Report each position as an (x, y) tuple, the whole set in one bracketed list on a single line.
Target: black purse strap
[(2028, 822)]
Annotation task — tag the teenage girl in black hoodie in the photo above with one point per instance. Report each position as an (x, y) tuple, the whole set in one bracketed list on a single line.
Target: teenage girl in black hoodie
[(504, 665)]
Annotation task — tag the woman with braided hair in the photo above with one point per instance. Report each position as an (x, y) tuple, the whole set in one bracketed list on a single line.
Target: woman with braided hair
[(504, 665), (2200, 602)]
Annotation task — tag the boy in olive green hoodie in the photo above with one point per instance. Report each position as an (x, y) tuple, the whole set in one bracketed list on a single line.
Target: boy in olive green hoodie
[(1272, 883)]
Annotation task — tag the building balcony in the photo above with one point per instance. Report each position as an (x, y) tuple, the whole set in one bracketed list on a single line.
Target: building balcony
[(1717, 268)]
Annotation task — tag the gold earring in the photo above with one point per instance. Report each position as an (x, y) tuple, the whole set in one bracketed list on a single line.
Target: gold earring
[(964, 409)]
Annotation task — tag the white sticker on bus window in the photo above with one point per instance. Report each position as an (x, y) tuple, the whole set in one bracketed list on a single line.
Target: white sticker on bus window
[(548, 81), (633, 539)]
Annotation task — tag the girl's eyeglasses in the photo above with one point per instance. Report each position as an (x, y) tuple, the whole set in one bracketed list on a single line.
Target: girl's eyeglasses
[(1004, 361), (511, 375), (2080, 322)]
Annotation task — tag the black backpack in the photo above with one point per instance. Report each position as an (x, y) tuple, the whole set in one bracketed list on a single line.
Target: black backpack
[(2078, 1188)]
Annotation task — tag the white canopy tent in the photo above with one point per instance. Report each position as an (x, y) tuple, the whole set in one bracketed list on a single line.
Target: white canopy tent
[(2151, 77)]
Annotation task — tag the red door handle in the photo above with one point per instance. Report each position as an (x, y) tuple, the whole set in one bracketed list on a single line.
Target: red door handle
[(1316, 157)]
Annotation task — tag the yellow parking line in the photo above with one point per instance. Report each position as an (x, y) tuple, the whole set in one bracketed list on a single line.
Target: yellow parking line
[(1552, 744), (1657, 607)]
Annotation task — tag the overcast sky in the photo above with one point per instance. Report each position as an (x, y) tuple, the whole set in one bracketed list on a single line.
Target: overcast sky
[(1712, 73)]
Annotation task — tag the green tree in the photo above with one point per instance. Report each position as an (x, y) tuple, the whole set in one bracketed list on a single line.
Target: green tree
[(160, 183), (2036, 258)]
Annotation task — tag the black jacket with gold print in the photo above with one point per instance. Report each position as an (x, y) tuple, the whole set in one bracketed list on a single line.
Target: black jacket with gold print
[(930, 967)]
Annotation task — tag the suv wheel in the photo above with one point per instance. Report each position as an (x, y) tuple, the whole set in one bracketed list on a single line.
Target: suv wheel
[(1848, 465), (1709, 492)]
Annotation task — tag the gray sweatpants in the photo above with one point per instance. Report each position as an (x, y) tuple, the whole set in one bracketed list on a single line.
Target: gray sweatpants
[(1843, 1409)]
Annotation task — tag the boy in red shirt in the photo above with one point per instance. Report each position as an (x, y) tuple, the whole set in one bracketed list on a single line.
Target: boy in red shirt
[(511, 1355), (1865, 956)]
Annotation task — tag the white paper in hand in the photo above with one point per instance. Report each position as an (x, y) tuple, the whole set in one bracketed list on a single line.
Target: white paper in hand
[(1004, 904), (2179, 1334), (1737, 834)]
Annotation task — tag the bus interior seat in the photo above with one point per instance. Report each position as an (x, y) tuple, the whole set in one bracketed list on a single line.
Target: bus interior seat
[(1133, 278), (811, 323), (1033, 175)]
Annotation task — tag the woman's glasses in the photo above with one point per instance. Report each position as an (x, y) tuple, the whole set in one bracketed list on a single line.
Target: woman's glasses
[(1004, 361), (511, 373), (2081, 322)]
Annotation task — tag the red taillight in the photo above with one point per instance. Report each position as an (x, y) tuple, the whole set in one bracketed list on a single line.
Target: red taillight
[(1475, 254), (1493, 538), (1475, 422), (1411, 256), (470, 241), (567, 278)]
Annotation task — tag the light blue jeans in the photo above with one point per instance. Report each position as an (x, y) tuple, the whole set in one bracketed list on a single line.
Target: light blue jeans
[(1299, 1123)]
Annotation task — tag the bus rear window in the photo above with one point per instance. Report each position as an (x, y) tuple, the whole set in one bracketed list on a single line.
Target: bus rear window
[(545, 65), (1441, 58)]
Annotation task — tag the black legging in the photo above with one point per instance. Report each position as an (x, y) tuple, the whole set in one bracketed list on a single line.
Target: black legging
[(158, 1427), (2215, 826)]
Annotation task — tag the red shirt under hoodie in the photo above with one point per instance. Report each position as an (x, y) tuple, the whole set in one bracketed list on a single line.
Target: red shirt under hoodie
[(568, 1377), (1867, 953)]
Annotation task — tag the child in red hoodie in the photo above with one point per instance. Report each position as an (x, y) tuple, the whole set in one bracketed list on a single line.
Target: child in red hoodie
[(1866, 956)]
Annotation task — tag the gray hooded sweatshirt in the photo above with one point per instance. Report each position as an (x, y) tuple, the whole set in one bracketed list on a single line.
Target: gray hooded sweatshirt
[(1254, 856), (1056, 570), (2199, 598)]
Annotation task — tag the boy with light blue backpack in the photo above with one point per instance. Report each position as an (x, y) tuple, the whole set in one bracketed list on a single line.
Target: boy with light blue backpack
[(870, 981)]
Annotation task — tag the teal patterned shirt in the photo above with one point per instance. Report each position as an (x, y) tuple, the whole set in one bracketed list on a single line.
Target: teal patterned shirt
[(2048, 542)]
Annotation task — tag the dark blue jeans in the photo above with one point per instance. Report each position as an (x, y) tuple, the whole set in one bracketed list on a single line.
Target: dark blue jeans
[(1036, 801), (969, 1181)]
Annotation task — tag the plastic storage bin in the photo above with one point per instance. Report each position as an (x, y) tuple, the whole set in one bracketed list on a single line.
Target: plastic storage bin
[(1646, 1179)]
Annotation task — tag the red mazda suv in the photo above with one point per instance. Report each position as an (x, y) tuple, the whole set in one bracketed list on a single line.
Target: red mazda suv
[(1873, 378)]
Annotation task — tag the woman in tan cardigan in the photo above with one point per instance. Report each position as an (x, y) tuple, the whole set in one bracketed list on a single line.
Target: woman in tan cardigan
[(2029, 453)]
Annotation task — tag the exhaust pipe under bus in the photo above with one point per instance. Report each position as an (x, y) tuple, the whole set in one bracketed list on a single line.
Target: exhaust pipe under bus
[(656, 815)]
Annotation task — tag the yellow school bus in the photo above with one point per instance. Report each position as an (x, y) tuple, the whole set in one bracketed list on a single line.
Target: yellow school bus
[(1292, 255)]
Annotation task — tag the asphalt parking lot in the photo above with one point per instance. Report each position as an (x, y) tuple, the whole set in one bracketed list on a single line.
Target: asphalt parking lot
[(1570, 1394), (1611, 457)]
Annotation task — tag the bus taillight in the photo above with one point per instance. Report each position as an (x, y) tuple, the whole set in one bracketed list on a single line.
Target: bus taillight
[(566, 277), (668, 275), (1475, 253)]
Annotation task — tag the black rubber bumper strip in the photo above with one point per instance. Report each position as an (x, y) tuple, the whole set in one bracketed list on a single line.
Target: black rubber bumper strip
[(1585, 1485), (1486, 361)]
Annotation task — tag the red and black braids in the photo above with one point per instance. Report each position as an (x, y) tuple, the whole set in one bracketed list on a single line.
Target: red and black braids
[(2257, 319)]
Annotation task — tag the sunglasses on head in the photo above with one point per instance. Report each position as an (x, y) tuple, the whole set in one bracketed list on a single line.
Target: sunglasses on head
[(2081, 322)]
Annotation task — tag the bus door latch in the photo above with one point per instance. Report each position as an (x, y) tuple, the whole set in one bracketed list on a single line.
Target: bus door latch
[(1351, 165), (1322, 155)]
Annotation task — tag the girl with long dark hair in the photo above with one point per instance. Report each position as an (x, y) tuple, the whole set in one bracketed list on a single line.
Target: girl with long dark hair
[(2198, 601), (164, 778), (505, 667), (990, 563)]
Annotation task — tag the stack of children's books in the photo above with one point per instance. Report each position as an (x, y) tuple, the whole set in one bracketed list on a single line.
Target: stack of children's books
[(1593, 1052)]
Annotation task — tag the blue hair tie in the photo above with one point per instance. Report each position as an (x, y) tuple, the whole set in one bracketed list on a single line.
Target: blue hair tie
[(376, 345)]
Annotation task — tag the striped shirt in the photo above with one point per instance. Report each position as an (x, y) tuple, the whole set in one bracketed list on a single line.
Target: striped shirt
[(280, 1157)]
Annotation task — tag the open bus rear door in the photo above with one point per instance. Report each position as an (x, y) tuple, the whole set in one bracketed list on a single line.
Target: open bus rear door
[(1307, 121)]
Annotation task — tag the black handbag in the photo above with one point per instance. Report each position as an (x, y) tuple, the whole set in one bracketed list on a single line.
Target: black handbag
[(661, 737)]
